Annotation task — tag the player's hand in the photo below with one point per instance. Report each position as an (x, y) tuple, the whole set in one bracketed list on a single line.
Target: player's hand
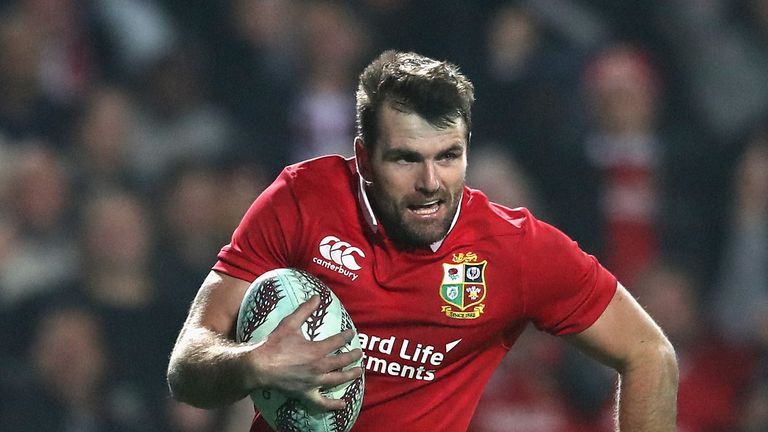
[(288, 362)]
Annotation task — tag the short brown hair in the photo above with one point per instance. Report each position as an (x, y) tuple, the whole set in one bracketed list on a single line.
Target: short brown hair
[(435, 90)]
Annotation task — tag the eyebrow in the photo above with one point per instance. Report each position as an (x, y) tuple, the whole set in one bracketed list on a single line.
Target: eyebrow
[(453, 148), (401, 153), (395, 153)]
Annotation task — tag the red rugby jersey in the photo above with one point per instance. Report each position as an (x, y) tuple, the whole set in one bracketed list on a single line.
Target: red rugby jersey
[(434, 324)]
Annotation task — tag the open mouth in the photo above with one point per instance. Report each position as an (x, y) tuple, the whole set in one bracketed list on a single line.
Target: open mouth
[(426, 209)]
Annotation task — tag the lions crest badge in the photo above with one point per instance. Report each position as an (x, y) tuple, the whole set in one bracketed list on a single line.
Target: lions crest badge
[(463, 286)]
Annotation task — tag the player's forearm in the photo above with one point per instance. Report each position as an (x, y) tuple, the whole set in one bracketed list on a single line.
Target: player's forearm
[(209, 371), (648, 391)]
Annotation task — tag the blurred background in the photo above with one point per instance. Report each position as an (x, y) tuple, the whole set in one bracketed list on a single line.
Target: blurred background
[(135, 133)]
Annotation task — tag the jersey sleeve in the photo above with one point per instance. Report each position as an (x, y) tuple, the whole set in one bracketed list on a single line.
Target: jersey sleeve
[(566, 289), (263, 240)]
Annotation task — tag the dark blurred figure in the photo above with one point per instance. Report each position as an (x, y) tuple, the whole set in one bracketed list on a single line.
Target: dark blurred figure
[(176, 119), (442, 29), (532, 74), (76, 49), (103, 140), (493, 170), (140, 33), (66, 383), (714, 372), (190, 211), (333, 43), (635, 189), (254, 74), (741, 302), (242, 180), (199, 207), (625, 148), (26, 110), (40, 209), (720, 49), (117, 279)]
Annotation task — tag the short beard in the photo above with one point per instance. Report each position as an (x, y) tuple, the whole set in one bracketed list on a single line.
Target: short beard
[(411, 236)]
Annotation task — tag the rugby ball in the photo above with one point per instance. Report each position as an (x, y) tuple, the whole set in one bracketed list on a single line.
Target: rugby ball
[(268, 300)]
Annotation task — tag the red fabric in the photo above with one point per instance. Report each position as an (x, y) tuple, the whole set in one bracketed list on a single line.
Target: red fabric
[(425, 369)]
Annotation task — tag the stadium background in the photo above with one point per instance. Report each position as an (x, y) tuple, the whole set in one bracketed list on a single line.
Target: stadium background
[(134, 133)]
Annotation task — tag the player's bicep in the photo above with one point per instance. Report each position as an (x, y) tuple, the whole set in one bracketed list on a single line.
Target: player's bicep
[(217, 303), (624, 331)]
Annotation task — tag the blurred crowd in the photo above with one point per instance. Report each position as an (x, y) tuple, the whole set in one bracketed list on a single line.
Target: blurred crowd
[(135, 133)]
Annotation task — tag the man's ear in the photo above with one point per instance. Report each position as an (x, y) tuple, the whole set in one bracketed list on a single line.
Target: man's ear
[(362, 157)]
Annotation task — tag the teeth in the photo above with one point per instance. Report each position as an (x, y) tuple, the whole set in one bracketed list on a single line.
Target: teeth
[(426, 209), (431, 203)]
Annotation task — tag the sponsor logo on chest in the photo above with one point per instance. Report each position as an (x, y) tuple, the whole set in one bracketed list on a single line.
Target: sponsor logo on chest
[(339, 256), (463, 286)]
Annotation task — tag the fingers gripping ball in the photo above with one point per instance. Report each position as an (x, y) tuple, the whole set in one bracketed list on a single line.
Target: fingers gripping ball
[(269, 299)]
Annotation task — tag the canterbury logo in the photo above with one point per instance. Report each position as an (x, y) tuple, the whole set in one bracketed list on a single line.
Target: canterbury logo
[(340, 252)]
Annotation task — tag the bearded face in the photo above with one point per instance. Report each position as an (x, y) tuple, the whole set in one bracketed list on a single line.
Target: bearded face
[(416, 176)]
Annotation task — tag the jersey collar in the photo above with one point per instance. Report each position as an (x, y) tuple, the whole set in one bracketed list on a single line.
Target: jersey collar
[(370, 217)]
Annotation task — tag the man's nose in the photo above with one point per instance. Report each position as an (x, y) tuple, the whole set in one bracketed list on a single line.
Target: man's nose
[(428, 182)]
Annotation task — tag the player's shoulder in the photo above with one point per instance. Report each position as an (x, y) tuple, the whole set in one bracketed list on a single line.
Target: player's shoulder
[(499, 217), (328, 164), (322, 182), (324, 171), (493, 219)]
